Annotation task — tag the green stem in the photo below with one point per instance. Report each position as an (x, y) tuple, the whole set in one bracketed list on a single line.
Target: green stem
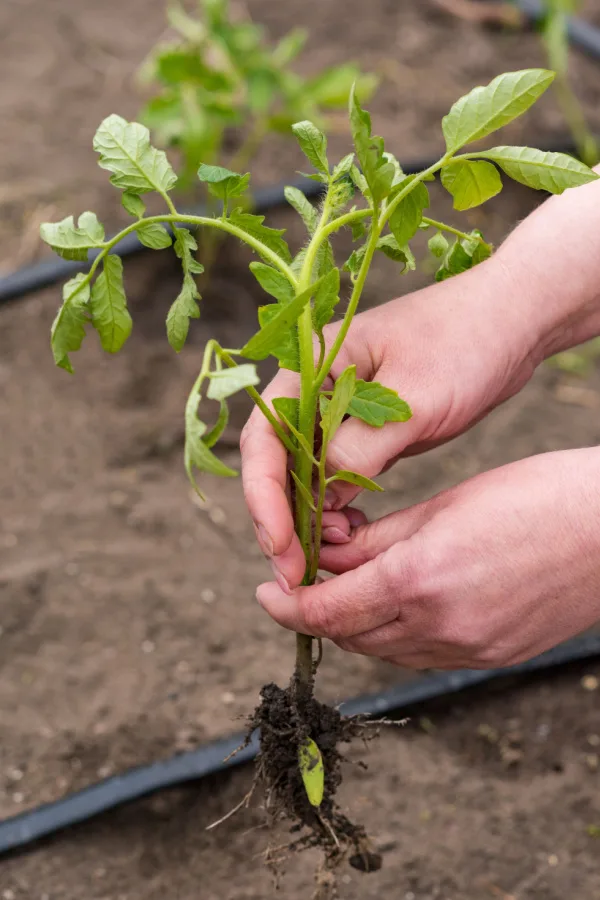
[(314, 566), (422, 176), (441, 226)]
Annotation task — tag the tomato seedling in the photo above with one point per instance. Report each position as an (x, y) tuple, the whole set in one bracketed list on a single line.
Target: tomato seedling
[(368, 192)]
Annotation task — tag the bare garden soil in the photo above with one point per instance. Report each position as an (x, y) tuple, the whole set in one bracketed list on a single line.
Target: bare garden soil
[(128, 629)]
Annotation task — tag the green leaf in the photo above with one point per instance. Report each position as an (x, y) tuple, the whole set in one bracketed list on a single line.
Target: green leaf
[(133, 203), (312, 771), (185, 248), (471, 183), (376, 404), (354, 478), (303, 490), (253, 225), (326, 299), (183, 308), (331, 88), (543, 171), (407, 216), (225, 382), (197, 454), (305, 210), (485, 109), (108, 306), (73, 241), (289, 47), (389, 246), (334, 410), (343, 167), (438, 245), (377, 171), (126, 152), (285, 347), (154, 235), (313, 144), (288, 409), (68, 328), (273, 282), (463, 255), (222, 182), (278, 326)]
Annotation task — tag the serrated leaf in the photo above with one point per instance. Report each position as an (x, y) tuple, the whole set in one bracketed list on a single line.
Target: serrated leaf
[(133, 203), (313, 144), (197, 454), (108, 306), (462, 255), (343, 167), (225, 382), (154, 235), (135, 165), (376, 404), (292, 426), (288, 409), (303, 207), (303, 491), (407, 216), (68, 328), (326, 299), (185, 248), (354, 478), (312, 771), (485, 109), (377, 171), (273, 282), (73, 241), (253, 225), (222, 182), (183, 308), (334, 409), (438, 245), (285, 347), (471, 183), (278, 324), (389, 246), (541, 170)]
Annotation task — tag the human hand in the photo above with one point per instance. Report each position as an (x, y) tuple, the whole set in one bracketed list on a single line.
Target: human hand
[(453, 351), (485, 575)]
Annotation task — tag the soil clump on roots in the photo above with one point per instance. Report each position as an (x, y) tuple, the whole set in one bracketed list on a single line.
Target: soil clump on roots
[(286, 720)]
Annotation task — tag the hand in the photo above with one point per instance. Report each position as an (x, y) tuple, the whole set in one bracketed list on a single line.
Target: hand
[(453, 351), (490, 573)]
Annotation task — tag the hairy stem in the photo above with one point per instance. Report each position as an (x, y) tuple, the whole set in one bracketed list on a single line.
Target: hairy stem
[(441, 226)]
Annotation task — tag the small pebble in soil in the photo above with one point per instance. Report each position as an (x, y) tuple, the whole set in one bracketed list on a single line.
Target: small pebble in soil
[(15, 774), (589, 683), (228, 698), (217, 515), (553, 860), (8, 894), (18, 797), (208, 596), (148, 646), (593, 740), (592, 761)]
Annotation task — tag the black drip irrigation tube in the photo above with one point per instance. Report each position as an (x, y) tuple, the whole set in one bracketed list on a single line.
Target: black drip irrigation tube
[(581, 33), (19, 832)]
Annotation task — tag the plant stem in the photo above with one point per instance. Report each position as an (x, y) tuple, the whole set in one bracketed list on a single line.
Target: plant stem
[(441, 226)]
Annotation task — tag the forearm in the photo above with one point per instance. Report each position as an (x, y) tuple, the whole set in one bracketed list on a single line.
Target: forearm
[(551, 271)]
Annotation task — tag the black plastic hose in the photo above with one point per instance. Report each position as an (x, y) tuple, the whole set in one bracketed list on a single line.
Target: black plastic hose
[(20, 831), (581, 34)]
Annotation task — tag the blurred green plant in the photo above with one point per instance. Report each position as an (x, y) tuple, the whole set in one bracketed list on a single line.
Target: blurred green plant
[(222, 74)]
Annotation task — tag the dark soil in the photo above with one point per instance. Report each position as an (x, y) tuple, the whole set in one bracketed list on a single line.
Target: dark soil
[(127, 625)]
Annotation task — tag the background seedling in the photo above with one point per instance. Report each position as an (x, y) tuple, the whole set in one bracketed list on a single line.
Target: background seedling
[(368, 192)]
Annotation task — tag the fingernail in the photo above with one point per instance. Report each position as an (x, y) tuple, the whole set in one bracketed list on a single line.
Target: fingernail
[(264, 539), (334, 535), (281, 579)]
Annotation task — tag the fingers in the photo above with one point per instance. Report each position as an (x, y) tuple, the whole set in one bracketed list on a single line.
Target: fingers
[(337, 526), (369, 540), (339, 607)]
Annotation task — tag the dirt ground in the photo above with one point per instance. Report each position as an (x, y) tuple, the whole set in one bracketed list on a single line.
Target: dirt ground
[(128, 629)]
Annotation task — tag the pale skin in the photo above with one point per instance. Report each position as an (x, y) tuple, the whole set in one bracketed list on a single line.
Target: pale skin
[(507, 564)]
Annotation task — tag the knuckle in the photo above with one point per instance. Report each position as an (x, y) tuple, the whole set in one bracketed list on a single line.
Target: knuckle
[(315, 614)]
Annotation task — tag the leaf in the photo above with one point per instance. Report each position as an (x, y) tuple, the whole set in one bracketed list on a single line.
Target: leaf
[(463, 255), (334, 410), (183, 308), (388, 245), (185, 248), (438, 245), (273, 282), (343, 167), (222, 182), (331, 88), (108, 306), (68, 328), (354, 478), (154, 235), (471, 183), (303, 207), (278, 326), (289, 47), (225, 382), (133, 203), (73, 241), (197, 454), (376, 404), (377, 171), (288, 409), (326, 299), (313, 144), (286, 347), (303, 490), (253, 225), (485, 109), (543, 171), (312, 771), (126, 152), (407, 216)]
